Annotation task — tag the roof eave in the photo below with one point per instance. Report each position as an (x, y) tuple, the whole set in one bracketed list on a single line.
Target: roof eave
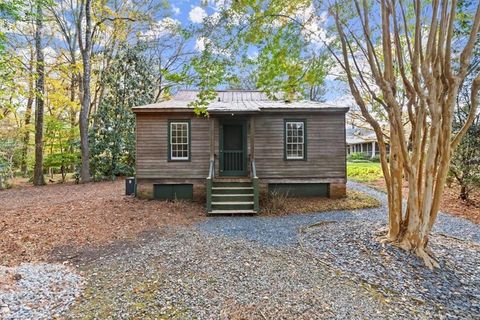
[(294, 109), (222, 112), (156, 110)]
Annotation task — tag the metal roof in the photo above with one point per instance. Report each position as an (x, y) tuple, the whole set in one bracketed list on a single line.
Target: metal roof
[(237, 101), (356, 135)]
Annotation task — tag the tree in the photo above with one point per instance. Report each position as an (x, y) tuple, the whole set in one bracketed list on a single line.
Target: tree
[(279, 56), (38, 178), (9, 12), (85, 45), (129, 81), (426, 73), (397, 61)]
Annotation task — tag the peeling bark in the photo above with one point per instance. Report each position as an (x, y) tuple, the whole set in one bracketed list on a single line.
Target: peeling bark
[(421, 156)]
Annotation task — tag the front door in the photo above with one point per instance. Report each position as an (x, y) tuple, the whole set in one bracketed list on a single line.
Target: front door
[(233, 148)]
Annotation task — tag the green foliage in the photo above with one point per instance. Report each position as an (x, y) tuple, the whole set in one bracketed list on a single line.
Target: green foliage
[(357, 156), (210, 72), (9, 12), (364, 171), (9, 155), (465, 165), (60, 148), (128, 82), (281, 56)]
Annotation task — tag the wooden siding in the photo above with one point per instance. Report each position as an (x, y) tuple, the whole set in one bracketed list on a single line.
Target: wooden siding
[(325, 147), (152, 148)]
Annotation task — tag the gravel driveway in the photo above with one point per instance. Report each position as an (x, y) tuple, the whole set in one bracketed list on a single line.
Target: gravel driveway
[(283, 230), (325, 265)]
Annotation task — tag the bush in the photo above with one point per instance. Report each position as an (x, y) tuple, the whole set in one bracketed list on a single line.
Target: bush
[(357, 156), (465, 164), (359, 161), (274, 202)]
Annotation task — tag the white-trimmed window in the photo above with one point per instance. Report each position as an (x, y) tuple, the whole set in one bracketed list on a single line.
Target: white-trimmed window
[(295, 140), (179, 143)]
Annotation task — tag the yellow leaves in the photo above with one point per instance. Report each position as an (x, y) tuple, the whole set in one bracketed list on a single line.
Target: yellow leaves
[(58, 96)]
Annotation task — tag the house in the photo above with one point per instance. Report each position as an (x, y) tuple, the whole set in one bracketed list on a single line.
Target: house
[(360, 140), (247, 146)]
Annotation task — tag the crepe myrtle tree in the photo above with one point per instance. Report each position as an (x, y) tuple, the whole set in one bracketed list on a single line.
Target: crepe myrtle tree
[(403, 60), (408, 52)]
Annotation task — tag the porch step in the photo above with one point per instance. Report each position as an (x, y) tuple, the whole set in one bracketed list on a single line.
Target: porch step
[(232, 202), (231, 184), (233, 212), (232, 205), (232, 197), (232, 190)]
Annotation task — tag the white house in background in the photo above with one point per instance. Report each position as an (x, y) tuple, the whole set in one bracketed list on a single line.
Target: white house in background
[(361, 141), (359, 137)]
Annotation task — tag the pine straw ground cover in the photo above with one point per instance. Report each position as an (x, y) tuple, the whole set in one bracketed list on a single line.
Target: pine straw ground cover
[(278, 204), (450, 203), (36, 220)]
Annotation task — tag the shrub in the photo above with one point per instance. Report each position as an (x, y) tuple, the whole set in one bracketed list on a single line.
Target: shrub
[(357, 156), (274, 202)]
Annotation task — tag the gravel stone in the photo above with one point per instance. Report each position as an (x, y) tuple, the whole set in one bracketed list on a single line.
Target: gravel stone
[(346, 241), (353, 248), (38, 291), (191, 275), (283, 230)]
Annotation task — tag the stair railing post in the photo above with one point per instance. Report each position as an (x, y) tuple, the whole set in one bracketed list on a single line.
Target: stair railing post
[(211, 172), (256, 196)]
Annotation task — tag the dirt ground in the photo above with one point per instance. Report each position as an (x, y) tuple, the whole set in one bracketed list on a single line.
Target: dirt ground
[(36, 220), (451, 203)]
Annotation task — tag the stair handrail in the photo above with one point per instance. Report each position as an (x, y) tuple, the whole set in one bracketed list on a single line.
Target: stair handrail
[(256, 204), (211, 175)]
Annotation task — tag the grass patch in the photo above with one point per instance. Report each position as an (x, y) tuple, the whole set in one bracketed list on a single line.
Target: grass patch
[(280, 205), (364, 171), (133, 294)]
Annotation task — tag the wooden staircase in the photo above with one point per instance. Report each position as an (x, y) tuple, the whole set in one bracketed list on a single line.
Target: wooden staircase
[(233, 195), (232, 198)]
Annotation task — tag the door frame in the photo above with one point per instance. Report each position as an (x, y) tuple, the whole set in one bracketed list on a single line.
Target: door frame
[(243, 123)]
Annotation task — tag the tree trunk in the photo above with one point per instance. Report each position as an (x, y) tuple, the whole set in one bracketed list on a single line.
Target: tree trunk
[(28, 115), (463, 193), (86, 49), (38, 178), (73, 112)]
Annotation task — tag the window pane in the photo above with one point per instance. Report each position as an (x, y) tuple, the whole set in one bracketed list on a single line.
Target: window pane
[(294, 140), (179, 140)]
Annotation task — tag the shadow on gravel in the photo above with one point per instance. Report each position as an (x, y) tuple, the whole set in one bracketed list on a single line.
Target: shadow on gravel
[(86, 255), (453, 290)]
